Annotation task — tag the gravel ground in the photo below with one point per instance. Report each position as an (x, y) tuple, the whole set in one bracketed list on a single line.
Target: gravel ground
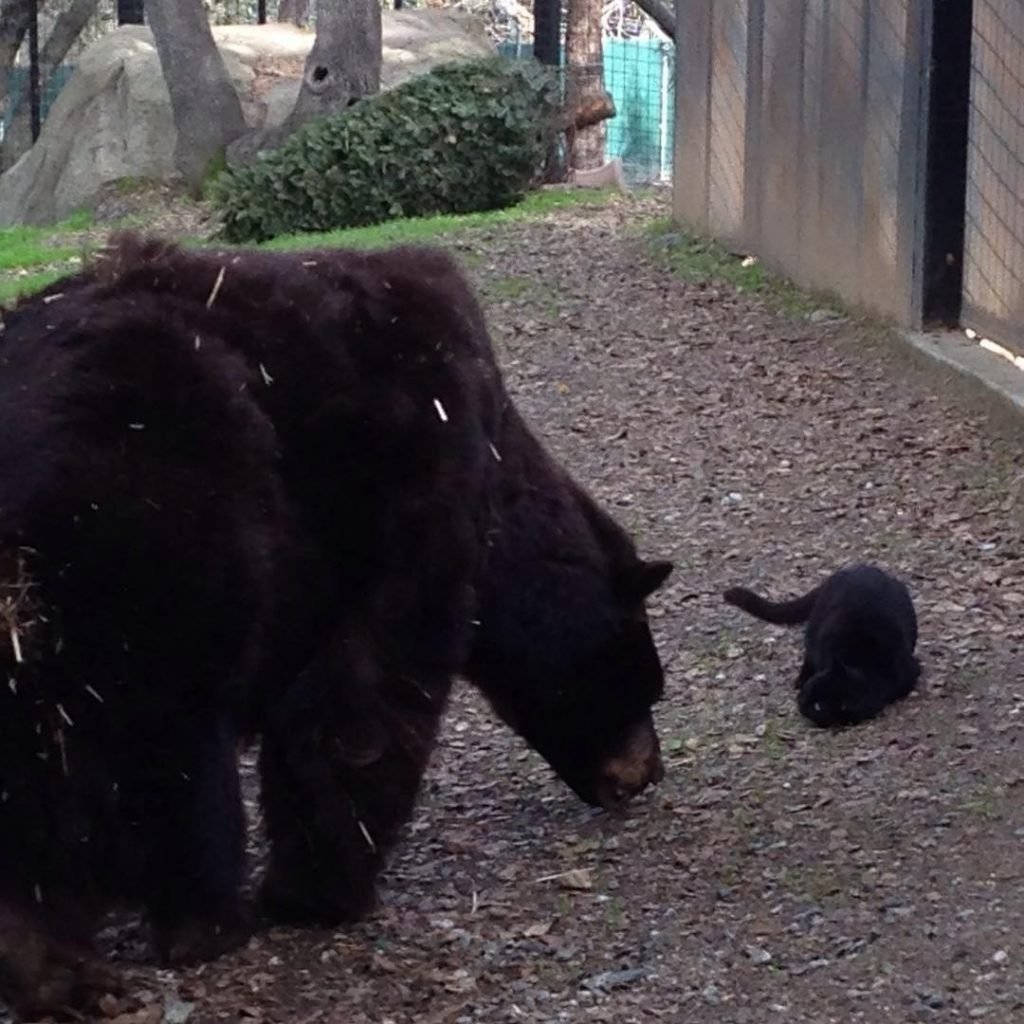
[(779, 872)]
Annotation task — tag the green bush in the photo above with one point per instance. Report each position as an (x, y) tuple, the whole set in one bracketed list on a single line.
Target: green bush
[(464, 137)]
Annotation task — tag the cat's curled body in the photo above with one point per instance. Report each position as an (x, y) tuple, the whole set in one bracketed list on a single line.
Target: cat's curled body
[(861, 632)]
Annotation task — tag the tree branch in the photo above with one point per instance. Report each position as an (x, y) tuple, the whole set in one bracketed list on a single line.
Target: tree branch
[(592, 111), (67, 28), (14, 18), (661, 14)]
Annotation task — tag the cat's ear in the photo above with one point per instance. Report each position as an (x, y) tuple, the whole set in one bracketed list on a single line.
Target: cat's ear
[(641, 579)]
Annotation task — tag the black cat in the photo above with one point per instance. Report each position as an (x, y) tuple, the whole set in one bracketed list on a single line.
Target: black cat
[(858, 646)]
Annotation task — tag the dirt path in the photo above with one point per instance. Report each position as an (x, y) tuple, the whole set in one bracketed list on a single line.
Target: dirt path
[(779, 873)]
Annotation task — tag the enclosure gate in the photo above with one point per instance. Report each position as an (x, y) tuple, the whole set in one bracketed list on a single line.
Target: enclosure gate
[(994, 240), (801, 135)]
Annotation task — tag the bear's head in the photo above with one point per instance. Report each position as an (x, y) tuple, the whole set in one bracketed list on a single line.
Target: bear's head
[(562, 649)]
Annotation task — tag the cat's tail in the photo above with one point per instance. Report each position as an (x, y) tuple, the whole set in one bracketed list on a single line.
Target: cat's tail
[(785, 613)]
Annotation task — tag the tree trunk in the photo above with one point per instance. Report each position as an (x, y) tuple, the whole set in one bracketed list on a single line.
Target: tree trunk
[(344, 64), (66, 30), (295, 11), (584, 55), (14, 18), (661, 14), (207, 110)]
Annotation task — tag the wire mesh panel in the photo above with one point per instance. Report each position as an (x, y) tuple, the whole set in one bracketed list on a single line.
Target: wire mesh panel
[(812, 221), (778, 183), (994, 240), (691, 185), (805, 131), (727, 135), (842, 142), (638, 74), (56, 53), (882, 250)]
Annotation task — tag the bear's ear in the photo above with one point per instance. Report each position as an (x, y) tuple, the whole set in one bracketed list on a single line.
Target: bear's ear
[(641, 579)]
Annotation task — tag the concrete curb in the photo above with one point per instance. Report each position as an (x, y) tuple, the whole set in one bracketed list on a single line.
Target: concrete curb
[(953, 349)]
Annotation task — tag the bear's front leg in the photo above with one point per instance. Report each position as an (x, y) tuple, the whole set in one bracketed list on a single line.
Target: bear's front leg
[(340, 764)]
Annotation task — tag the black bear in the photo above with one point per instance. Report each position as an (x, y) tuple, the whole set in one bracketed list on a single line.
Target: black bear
[(558, 619), (382, 521), (139, 510), (858, 645)]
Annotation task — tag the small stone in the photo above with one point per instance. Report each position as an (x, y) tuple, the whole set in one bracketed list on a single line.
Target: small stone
[(669, 240), (758, 954), (1000, 956), (931, 998), (177, 1012), (608, 980), (712, 994), (109, 1005), (578, 879), (537, 930), (822, 316)]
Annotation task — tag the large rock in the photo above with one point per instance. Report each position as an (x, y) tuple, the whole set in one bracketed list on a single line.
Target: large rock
[(113, 119)]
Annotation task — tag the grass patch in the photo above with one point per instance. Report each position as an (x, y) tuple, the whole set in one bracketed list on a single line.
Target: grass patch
[(819, 883), (131, 186), (22, 248), (14, 287), (703, 259), (985, 801), (418, 229), (614, 912), (512, 289), (774, 742), (214, 169), (27, 248), (509, 287)]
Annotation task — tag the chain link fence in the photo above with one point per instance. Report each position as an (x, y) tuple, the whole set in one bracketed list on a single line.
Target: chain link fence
[(18, 123), (994, 232), (20, 116), (639, 68), (639, 72)]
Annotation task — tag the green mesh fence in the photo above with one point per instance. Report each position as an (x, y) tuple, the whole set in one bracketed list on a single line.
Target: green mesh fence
[(640, 76), (17, 92)]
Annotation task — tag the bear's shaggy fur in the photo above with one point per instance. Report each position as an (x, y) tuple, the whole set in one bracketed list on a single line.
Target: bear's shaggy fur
[(858, 645), (284, 495), (137, 542)]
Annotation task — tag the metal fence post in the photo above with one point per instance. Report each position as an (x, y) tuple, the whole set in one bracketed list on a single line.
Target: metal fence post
[(130, 12), (547, 31), (33, 70)]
